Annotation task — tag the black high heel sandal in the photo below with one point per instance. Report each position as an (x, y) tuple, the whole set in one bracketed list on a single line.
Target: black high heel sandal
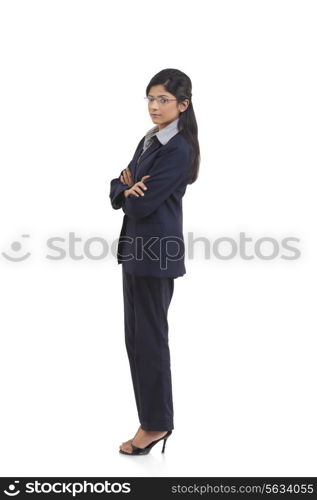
[(145, 451)]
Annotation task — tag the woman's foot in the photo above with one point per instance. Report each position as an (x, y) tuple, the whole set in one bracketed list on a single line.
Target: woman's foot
[(126, 443), (142, 439)]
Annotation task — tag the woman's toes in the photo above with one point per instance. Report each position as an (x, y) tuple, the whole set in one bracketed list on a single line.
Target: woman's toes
[(127, 448), (126, 442), (125, 445)]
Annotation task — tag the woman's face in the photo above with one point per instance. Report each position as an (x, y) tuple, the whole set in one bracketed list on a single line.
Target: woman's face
[(164, 113)]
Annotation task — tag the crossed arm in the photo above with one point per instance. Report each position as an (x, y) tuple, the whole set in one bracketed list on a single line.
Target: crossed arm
[(167, 174), (117, 188)]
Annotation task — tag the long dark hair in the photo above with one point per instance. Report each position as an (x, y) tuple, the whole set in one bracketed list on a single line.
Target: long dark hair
[(180, 86)]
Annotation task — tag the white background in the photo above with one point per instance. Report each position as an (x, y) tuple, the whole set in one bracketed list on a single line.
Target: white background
[(242, 332)]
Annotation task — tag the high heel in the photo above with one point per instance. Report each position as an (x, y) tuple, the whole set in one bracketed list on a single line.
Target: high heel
[(165, 439), (145, 451)]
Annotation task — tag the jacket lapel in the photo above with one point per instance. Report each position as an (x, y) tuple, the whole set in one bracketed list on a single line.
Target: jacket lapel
[(137, 168)]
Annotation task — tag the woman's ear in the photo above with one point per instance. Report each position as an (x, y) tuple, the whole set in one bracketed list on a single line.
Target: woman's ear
[(184, 105)]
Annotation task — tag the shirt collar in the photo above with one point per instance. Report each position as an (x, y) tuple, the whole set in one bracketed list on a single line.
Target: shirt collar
[(163, 135)]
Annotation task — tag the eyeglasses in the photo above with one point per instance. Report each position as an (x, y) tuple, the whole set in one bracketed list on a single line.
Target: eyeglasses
[(160, 100)]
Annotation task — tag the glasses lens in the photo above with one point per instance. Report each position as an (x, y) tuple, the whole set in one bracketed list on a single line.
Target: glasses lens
[(161, 100)]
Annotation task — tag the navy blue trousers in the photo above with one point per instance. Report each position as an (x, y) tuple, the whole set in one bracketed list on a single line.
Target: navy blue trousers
[(146, 301)]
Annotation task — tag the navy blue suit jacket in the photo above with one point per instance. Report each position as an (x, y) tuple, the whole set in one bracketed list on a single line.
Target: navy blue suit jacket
[(151, 240)]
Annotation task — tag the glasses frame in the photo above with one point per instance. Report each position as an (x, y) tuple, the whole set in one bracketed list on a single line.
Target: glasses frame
[(158, 99)]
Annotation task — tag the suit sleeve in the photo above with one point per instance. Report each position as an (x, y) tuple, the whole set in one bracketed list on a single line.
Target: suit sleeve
[(116, 192), (168, 173), (116, 186)]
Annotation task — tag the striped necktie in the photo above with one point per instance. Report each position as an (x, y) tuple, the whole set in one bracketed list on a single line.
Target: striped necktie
[(148, 141), (149, 138)]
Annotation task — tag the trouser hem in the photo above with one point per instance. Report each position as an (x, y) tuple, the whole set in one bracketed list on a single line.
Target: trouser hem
[(162, 425)]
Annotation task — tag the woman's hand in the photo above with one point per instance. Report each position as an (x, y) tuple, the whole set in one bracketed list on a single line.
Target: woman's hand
[(136, 189), (126, 177)]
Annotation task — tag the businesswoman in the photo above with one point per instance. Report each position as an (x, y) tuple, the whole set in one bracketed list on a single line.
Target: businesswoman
[(151, 247)]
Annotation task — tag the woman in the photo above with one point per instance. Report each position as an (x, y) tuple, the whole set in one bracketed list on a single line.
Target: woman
[(151, 247)]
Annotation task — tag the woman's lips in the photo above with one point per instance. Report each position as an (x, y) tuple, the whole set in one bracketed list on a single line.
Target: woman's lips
[(155, 116)]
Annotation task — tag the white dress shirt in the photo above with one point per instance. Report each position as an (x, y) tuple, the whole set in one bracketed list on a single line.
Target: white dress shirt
[(163, 135)]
